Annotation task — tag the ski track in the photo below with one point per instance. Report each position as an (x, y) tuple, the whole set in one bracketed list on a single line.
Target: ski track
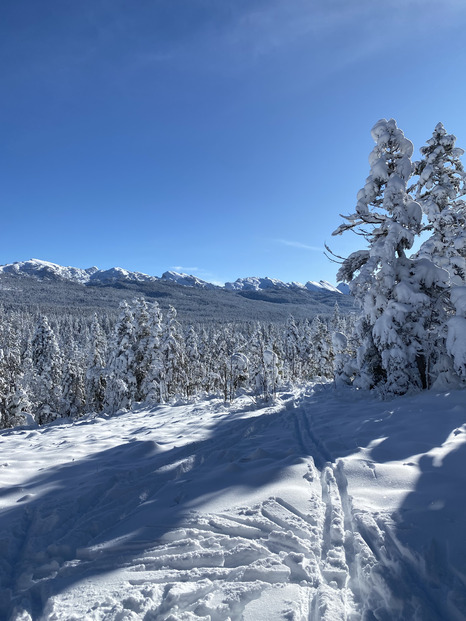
[(323, 560)]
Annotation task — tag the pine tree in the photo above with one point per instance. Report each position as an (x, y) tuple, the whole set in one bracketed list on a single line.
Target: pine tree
[(396, 293), (142, 338), (150, 389), (121, 382), (439, 190), (73, 385), (456, 333), (194, 370), (47, 368), (321, 352), (292, 347), (95, 375), (173, 377)]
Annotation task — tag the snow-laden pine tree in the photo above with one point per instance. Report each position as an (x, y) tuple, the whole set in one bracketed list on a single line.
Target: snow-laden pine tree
[(321, 353), (265, 364), (10, 373), (194, 370), (150, 388), (439, 190), (47, 373), (292, 358), (95, 381), (73, 385), (456, 333), (121, 382), (142, 339), (173, 355), (239, 374), (397, 294)]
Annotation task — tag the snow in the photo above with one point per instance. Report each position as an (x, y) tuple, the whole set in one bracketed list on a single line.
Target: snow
[(187, 280), (326, 504), (322, 284), (255, 283)]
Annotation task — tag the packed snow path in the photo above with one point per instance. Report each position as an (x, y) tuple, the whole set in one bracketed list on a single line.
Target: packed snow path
[(323, 506)]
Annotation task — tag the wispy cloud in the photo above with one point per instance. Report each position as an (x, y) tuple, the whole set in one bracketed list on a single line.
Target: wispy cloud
[(297, 244), (185, 270)]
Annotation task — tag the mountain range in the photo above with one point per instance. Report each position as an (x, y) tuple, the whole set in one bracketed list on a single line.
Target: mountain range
[(92, 275), (48, 285)]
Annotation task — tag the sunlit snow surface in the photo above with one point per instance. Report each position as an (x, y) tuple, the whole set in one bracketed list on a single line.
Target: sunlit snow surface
[(325, 505)]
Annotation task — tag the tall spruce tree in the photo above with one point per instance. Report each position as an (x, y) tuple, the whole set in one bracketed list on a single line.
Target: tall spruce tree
[(396, 293), (47, 368), (121, 382), (440, 190)]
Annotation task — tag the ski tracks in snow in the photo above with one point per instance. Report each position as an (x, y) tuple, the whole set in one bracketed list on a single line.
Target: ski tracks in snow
[(251, 523)]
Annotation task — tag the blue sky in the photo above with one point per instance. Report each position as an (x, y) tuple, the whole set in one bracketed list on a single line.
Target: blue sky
[(218, 137)]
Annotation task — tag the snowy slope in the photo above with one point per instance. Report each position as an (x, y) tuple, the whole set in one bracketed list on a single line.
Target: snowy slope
[(324, 506)]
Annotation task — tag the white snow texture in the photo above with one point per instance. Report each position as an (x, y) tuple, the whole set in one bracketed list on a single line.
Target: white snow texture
[(327, 505)]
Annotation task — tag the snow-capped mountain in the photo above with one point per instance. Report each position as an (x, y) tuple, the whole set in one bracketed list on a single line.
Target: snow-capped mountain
[(253, 283), (187, 280), (343, 287), (44, 269), (118, 274), (40, 270)]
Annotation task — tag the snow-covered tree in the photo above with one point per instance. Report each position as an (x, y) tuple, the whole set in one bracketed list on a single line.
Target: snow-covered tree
[(47, 368), (73, 385), (239, 372), (142, 340), (173, 356), (150, 388), (194, 370), (121, 381), (321, 353), (292, 349), (95, 381), (397, 294), (439, 190), (456, 335)]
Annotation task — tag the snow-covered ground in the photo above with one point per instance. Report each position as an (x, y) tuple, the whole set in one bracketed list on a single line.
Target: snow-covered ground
[(325, 505)]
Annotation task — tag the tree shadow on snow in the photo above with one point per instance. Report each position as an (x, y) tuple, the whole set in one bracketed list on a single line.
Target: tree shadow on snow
[(429, 548), (89, 517), (430, 527)]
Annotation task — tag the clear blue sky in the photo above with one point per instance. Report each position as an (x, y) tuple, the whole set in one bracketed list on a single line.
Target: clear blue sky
[(218, 137)]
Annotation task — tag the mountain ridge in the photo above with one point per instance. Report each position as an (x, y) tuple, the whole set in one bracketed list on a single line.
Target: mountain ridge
[(40, 269)]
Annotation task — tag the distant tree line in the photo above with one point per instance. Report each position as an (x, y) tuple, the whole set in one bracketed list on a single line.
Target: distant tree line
[(66, 365)]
